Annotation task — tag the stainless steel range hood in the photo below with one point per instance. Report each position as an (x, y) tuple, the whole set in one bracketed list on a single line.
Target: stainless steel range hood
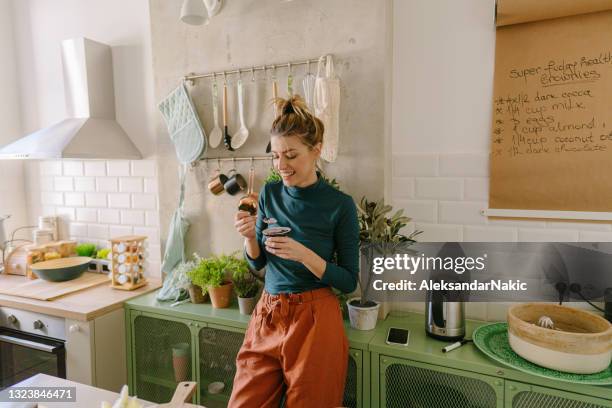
[(91, 130)]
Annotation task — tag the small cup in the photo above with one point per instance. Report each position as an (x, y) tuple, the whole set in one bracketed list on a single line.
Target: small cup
[(235, 184), (276, 231), (216, 184)]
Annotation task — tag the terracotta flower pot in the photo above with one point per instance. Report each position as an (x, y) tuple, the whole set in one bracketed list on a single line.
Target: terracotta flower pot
[(195, 294), (221, 296)]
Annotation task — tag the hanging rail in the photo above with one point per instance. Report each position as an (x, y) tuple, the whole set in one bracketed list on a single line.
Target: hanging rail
[(226, 159), (191, 77)]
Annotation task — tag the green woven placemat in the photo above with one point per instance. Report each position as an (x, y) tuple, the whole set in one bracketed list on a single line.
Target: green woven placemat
[(492, 339)]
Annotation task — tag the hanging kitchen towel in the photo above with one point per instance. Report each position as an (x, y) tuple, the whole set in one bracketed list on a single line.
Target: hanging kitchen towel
[(175, 243), (183, 125), (327, 107)]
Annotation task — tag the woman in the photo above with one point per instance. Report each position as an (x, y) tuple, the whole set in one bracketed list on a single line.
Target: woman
[(295, 343)]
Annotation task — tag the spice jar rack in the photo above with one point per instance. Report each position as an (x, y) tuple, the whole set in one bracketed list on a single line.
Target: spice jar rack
[(127, 257)]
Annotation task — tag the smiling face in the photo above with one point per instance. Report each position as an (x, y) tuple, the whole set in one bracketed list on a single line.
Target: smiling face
[(295, 161)]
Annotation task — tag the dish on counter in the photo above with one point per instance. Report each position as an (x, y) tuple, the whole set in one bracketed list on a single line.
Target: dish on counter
[(62, 269), (576, 340), (492, 340)]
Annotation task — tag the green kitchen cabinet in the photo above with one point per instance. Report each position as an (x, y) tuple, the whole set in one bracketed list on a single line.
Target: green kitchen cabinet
[(151, 374), (214, 337), (379, 375), (405, 383), (519, 395)]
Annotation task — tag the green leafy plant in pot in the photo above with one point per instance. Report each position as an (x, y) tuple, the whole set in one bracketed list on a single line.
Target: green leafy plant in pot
[(210, 274), (379, 235), (246, 285), (197, 288)]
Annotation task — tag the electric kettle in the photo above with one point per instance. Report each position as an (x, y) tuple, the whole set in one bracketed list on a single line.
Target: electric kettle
[(444, 315), (445, 310)]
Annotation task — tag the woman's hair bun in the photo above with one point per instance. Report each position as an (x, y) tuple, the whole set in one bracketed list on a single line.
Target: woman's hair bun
[(295, 119)]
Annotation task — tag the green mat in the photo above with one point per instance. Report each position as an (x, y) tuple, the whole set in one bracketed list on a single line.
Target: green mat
[(492, 339)]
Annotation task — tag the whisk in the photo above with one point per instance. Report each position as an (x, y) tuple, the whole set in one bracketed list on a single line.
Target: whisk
[(546, 322)]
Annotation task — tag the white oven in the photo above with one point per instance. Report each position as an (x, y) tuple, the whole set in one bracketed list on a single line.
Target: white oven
[(30, 343)]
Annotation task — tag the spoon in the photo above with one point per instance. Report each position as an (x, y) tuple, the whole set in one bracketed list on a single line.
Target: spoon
[(243, 133), (216, 134), (227, 139), (270, 220), (274, 97)]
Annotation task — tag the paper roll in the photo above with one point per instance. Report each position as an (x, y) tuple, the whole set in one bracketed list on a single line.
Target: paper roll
[(523, 11)]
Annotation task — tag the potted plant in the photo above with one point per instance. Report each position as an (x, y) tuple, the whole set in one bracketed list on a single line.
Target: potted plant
[(197, 287), (246, 285), (209, 274), (379, 234)]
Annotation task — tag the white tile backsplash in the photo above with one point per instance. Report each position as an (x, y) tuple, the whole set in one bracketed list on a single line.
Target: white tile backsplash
[(108, 216), (414, 165), (134, 217), (418, 210), (120, 230), (439, 188), (85, 184), (48, 198), (87, 215), (464, 165), (74, 199), (152, 218), (130, 184), (95, 168), (118, 168), (51, 168), (73, 168), (98, 231), (426, 185), (119, 200), (63, 184), (98, 199), (107, 184), (150, 185)]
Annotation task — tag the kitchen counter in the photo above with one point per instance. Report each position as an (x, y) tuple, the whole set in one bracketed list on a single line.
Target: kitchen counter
[(84, 305), (86, 396)]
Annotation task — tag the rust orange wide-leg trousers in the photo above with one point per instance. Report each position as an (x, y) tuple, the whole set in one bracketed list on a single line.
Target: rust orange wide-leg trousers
[(295, 343)]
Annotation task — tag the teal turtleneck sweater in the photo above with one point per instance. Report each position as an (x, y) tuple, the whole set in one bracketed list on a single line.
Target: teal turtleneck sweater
[(321, 218)]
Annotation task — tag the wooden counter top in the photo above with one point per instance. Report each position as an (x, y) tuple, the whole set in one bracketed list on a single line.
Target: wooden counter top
[(83, 305)]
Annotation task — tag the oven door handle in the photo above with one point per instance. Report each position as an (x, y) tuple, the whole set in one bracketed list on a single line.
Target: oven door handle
[(30, 344)]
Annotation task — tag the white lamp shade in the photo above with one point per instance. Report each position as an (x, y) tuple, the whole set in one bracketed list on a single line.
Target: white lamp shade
[(194, 12)]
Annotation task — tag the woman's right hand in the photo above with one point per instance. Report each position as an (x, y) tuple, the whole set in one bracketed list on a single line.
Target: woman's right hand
[(245, 224)]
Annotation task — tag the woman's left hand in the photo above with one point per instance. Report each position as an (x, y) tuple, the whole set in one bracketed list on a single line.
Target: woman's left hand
[(287, 248)]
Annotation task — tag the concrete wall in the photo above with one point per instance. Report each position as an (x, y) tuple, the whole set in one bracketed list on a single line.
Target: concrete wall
[(12, 192), (443, 62), (256, 32)]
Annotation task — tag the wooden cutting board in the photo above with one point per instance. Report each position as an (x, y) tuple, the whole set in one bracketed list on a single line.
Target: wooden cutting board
[(183, 393), (44, 290)]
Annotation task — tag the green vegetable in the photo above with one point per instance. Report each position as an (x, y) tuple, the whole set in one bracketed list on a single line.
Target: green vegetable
[(86, 250), (103, 253)]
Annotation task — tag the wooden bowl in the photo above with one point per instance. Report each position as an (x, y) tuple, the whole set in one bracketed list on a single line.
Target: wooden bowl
[(62, 269), (580, 342)]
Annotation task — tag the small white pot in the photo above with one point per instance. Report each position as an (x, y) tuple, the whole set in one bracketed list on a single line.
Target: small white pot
[(362, 318), (247, 305)]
